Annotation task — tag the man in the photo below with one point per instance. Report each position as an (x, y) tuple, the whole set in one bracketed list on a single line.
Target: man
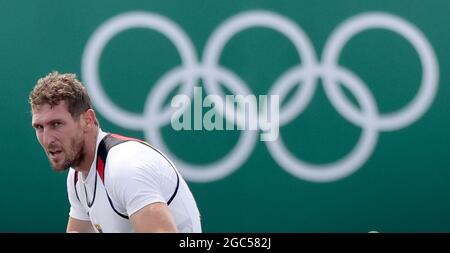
[(115, 183)]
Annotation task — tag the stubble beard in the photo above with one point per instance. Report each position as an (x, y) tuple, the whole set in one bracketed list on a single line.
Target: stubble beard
[(74, 156)]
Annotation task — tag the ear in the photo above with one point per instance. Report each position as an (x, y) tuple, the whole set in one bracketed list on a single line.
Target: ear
[(89, 119)]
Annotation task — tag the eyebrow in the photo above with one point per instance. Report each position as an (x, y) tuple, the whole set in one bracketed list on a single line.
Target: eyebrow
[(48, 123)]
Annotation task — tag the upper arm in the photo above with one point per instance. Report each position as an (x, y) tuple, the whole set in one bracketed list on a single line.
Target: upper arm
[(79, 226), (154, 217)]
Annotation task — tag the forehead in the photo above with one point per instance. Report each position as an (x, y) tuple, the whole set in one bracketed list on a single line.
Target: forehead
[(46, 112)]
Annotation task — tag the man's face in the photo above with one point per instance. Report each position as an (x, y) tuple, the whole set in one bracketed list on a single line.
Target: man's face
[(60, 135)]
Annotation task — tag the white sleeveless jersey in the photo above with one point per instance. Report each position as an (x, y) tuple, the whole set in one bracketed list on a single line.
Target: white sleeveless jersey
[(135, 175)]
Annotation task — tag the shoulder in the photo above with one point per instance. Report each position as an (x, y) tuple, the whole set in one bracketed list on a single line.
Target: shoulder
[(133, 153), (131, 159)]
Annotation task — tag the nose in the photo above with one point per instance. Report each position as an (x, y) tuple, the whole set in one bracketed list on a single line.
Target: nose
[(47, 137)]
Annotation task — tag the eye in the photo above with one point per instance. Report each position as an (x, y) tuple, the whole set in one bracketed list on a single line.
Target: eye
[(38, 127), (56, 124)]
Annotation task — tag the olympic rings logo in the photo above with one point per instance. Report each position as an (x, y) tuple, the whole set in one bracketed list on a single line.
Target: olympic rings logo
[(367, 117)]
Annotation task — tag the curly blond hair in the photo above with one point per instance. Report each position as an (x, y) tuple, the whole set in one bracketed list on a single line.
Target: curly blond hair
[(56, 87)]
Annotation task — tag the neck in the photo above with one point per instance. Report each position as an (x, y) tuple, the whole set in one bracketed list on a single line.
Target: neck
[(90, 150)]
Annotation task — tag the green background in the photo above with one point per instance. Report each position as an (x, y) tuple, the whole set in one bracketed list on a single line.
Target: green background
[(402, 187)]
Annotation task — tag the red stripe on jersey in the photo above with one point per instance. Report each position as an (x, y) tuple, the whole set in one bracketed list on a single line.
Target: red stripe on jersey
[(120, 137), (101, 168)]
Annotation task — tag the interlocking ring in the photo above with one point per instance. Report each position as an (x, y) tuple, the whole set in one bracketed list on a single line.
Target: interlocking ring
[(209, 69)]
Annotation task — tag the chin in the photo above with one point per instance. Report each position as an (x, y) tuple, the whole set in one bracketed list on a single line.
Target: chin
[(59, 168)]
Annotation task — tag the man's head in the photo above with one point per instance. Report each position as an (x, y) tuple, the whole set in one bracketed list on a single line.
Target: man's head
[(62, 116)]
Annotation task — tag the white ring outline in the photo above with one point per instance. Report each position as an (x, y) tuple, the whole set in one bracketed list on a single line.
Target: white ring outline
[(104, 34), (417, 107), (251, 19), (352, 161), (199, 173)]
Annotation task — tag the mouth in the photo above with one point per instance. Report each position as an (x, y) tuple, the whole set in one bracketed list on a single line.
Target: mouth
[(54, 154)]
